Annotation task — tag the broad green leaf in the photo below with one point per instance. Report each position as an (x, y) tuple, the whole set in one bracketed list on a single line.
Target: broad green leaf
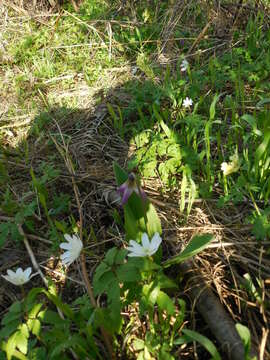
[(34, 310), (204, 341), (33, 293), (120, 256), (104, 282), (16, 307), (10, 346), (164, 282), (138, 344), (153, 295), (244, 334), (10, 317), (53, 318), (165, 303), (7, 330), (144, 264), (197, 244), (110, 256), (100, 270), (21, 342), (34, 326), (128, 273)]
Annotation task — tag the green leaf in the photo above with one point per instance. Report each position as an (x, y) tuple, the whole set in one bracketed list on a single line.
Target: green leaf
[(68, 312), (103, 283), (212, 111), (34, 326), (262, 147), (261, 227), (16, 307), (10, 317), (34, 310), (110, 256), (153, 222), (53, 318), (9, 329), (38, 354), (100, 270), (120, 256), (128, 273), (22, 341), (10, 346), (204, 341), (138, 344), (165, 303), (197, 244), (165, 282), (144, 264), (244, 334)]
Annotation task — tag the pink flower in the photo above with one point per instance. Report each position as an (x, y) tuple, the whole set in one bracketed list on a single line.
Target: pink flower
[(130, 186)]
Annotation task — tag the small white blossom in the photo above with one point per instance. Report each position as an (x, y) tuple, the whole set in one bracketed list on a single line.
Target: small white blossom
[(231, 167), (73, 246), (19, 277), (147, 248), (187, 102), (184, 66)]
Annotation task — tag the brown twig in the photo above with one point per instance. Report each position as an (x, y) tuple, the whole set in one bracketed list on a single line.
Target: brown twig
[(31, 255)]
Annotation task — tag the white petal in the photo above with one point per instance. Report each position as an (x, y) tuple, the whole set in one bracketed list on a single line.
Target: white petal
[(156, 241), (145, 241), (132, 254), (65, 255), (66, 262), (68, 237), (10, 273), (65, 245), (19, 272), (135, 247), (27, 272)]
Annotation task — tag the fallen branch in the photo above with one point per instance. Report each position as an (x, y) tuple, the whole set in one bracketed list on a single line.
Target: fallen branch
[(220, 323)]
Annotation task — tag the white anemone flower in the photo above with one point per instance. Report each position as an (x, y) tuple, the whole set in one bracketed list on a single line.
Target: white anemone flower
[(19, 277), (73, 246), (187, 102), (147, 248), (184, 66)]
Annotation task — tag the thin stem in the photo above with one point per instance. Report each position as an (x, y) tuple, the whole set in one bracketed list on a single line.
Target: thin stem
[(94, 304)]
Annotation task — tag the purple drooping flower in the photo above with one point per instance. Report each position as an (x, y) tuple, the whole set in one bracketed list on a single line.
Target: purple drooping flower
[(127, 188)]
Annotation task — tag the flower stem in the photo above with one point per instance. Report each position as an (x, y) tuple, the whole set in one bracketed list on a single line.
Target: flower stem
[(94, 304)]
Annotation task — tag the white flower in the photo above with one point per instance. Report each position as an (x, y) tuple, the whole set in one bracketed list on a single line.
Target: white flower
[(184, 65), (187, 102), (19, 277), (147, 248), (231, 167), (73, 246)]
